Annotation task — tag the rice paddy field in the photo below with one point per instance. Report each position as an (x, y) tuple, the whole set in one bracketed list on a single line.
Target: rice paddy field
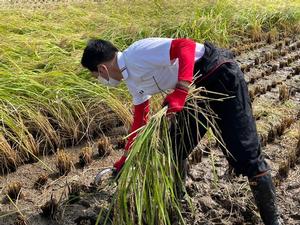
[(59, 127)]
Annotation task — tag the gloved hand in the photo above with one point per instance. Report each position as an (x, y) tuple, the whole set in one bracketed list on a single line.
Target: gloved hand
[(119, 164), (175, 100), (141, 112)]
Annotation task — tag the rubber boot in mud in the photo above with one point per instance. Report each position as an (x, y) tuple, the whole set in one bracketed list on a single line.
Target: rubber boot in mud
[(264, 194), (180, 178)]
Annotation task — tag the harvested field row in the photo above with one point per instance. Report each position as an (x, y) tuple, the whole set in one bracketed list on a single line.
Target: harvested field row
[(284, 160), (272, 38), (272, 66), (283, 84), (266, 53), (274, 115), (262, 78)]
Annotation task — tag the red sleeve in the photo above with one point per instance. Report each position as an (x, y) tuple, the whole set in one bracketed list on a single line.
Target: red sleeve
[(140, 118), (184, 50)]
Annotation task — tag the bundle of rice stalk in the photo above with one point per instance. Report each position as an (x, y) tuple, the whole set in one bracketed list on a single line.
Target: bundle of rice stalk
[(147, 186), (145, 192)]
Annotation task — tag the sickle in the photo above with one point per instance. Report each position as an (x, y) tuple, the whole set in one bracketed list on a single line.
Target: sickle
[(102, 173)]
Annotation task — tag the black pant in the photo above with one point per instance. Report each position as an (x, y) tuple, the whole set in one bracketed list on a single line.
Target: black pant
[(233, 119)]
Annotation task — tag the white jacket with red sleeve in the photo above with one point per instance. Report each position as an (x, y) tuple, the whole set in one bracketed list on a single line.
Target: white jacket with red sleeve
[(150, 66)]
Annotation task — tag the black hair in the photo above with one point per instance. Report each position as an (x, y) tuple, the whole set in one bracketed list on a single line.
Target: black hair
[(97, 51)]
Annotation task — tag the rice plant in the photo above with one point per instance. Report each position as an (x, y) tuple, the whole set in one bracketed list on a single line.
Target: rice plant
[(14, 190), (41, 181), (104, 147), (74, 192), (50, 208), (85, 156), (37, 119), (63, 162)]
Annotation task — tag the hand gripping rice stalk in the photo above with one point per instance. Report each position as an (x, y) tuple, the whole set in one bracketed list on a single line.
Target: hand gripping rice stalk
[(146, 186)]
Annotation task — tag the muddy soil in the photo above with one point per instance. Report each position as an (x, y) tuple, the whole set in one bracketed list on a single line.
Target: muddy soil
[(217, 195)]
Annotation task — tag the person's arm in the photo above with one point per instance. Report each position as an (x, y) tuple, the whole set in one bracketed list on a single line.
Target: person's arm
[(140, 118), (183, 50)]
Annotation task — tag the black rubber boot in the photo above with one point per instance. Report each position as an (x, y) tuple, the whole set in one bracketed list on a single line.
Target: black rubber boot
[(264, 194)]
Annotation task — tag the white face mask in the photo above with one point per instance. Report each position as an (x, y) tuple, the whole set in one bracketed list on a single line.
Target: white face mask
[(110, 82)]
